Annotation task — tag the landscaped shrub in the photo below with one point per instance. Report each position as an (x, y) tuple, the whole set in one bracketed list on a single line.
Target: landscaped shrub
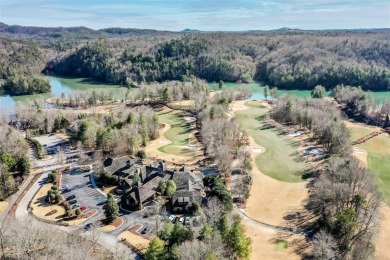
[(170, 189), (108, 178), (52, 177), (141, 154), (37, 146), (54, 195), (68, 212), (78, 212)]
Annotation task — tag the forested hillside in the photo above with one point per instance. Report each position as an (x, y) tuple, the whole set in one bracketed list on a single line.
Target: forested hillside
[(297, 60), (286, 60), (17, 57)]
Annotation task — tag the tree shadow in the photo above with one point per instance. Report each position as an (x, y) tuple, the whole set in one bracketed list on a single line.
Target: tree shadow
[(304, 219)]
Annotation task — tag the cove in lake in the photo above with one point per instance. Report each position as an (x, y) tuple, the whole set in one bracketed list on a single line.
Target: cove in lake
[(61, 85)]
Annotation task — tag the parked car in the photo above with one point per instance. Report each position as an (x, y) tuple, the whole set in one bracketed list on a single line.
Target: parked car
[(175, 220), (87, 226), (181, 220), (82, 208), (71, 197), (66, 190), (72, 202), (76, 205), (145, 230), (171, 217), (187, 221)]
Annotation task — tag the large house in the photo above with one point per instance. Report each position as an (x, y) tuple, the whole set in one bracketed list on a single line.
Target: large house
[(189, 186)]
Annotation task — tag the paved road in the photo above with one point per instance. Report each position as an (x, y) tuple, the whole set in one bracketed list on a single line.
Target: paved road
[(269, 226)]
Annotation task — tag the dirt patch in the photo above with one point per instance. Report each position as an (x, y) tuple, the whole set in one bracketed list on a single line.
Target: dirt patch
[(3, 206), (264, 244), (134, 240), (40, 208), (112, 226), (82, 218)]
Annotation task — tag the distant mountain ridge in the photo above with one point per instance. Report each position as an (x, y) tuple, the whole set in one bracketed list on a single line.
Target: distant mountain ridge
[(85, 32), (80, 31), (187, 30)]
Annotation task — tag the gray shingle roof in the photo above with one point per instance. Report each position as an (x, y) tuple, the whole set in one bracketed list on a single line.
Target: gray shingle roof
[(113, 165)]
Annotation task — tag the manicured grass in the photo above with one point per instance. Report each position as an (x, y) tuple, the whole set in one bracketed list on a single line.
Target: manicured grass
[(281, 160), (379, 164), (378, 149), (281, 244), (178, 133), (379, 144), (357, 132)]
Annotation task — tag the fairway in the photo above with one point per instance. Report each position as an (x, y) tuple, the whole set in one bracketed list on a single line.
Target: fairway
[(379, 164), (178, 134), (378, 149), (281, 160)]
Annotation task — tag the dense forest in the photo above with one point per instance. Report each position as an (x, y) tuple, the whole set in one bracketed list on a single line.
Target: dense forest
[(25, 85), (299, 61), (296, 60)]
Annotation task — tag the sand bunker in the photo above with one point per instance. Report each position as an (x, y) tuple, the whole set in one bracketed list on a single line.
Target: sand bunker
[(359, 151), (257, 150), (294, 134)]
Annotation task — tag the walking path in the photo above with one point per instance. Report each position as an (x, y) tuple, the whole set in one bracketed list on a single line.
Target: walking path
[(15, 197), (269, 226)]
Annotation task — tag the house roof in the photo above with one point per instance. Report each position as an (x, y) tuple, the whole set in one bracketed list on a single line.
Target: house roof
[(183, 196), (113, 165), (186, 181), (146, 190)]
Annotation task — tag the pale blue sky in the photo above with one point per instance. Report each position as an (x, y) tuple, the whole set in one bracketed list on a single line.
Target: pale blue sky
[(228, 15)]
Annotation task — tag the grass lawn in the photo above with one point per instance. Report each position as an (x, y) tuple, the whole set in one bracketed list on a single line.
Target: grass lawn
[(379, 164), (178, 134), (357, 132), (281, 245), (378, 149), (281, 160)]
